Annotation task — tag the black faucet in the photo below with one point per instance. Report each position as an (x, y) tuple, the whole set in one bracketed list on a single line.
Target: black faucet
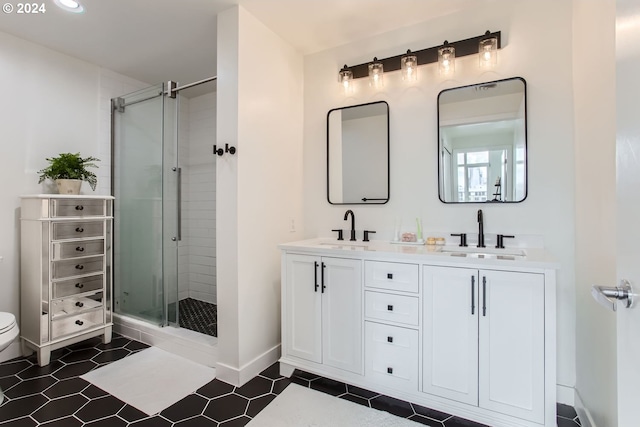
[(353, 224), (480, 229)]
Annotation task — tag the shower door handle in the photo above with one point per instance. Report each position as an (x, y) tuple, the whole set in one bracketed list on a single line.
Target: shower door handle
[(179, 202)]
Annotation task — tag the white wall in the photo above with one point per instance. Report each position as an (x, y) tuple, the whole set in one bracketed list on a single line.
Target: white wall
[(259, 189), (531, 37), (53, 103), (595, 206)]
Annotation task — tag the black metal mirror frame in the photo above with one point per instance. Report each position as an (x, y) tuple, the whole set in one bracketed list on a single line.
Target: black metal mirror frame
[(365, 201), (526, 142)]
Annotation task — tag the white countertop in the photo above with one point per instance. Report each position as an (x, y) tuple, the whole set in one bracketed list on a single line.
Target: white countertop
[(525, 258)]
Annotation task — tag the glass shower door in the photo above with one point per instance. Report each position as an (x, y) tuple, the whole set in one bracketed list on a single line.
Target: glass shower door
[(144, 184)]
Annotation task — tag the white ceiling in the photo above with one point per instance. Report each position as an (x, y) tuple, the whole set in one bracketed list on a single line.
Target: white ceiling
[(159, 40)]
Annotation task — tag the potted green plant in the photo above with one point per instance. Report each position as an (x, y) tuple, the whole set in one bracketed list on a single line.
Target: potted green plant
[(68, 170)]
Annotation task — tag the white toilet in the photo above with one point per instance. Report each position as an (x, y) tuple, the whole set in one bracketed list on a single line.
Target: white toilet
[(8, 332)]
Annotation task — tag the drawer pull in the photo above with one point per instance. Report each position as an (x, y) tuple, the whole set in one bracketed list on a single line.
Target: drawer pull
[(389, 275), (79, 322), (389, 339), (79, 267), (79, 304), (79, 285), (389, 308), (79, 208), (389, 370), (80, 249), (79, 229)]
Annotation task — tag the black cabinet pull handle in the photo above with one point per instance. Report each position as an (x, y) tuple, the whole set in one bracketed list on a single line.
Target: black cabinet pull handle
[(79, 285), (315, 276), (79, 304), (79, 229), (230, 150), (389, 308), (473, 295), (322, 277), (80, 249), (389, 370), (79, 208), (79, 267), (79, 322), (484, 296), (389, 275), (389, 339), (218, 151)]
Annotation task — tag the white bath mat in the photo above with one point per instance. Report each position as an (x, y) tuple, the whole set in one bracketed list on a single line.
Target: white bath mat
[(151, 380), (299, 406)]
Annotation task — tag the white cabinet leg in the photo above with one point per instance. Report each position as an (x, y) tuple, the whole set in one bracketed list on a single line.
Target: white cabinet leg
[(44, 356), (286, 370), (106, 338)]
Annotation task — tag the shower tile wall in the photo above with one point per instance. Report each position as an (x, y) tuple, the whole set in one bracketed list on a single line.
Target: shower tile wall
[(197, 255)]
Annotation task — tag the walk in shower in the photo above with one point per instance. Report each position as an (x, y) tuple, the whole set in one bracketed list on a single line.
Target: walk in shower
[(163, 178)]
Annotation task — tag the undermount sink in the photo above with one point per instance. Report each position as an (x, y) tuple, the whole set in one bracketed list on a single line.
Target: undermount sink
[(345, 245), (490, 253)]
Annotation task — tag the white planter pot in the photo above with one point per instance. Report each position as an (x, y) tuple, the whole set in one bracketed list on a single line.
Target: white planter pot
[(68, 186)]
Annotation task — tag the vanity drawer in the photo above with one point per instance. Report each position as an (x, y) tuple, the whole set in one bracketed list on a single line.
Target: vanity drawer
[(391, 355), (77, 323), (72, 267), (391, 275), (66, 288), (78, 249), (77, 207), (391, 308), (77, 230)]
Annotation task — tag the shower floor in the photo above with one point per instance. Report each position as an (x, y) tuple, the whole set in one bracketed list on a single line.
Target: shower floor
[(199, 316)]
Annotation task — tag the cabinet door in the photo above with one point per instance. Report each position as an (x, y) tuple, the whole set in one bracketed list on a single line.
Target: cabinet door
[(450, 329), (342, 314), (511, 351), (302, 311)]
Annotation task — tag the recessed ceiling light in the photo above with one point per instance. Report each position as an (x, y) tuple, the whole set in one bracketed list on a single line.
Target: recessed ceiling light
[(69, 5)]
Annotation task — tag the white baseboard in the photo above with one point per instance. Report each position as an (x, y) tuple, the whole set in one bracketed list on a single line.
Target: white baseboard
[(586, 420), (240, 376), (11, 352), (565, 394)]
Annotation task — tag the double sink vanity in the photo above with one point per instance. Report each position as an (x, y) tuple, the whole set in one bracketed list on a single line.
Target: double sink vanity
[(464, 330)]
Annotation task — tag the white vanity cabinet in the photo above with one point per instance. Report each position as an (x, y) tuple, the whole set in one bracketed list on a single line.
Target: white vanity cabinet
[(66, 275), (322, 311), (484, 339), (469, 336)]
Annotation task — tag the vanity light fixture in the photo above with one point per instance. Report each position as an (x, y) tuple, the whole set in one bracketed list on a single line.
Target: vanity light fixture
[(69, 5), (409, 67), (376, 71), (488, 51), (345, 77), (446, 54), (446, 58)]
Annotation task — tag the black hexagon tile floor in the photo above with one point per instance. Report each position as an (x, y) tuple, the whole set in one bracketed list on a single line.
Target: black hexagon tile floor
[(55, 396)]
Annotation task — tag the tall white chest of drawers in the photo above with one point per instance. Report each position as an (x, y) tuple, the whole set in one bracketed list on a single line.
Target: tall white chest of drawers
[(66, 271)]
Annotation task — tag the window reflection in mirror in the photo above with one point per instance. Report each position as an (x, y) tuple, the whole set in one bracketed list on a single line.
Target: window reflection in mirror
[(483, 142), (358, 154)]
